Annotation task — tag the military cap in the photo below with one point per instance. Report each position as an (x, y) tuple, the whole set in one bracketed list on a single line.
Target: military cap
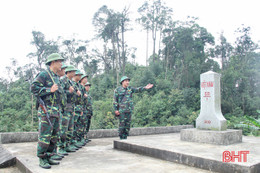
[(63, 66), (124, 78), (53, 57), (78, 72), (70, 68), (88, 84), (83, 76)]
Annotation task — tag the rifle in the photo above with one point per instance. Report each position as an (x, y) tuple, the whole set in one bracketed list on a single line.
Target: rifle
[(44, 109)]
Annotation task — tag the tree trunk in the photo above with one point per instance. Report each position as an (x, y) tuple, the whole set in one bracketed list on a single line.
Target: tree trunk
[(147, 41), (118, 52), (123, 47), (116, 57), (32, 110)]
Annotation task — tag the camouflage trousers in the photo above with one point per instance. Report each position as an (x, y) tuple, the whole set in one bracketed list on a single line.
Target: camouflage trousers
[(64, 126), (85, 120), (88, 121), (78, 127), (124, 124), (59, 142), (48, 135)]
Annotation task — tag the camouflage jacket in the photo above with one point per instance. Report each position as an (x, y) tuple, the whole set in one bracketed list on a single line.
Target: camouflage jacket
[(41, 86), (89, 104), (123, 101), (67, 83), (79, 102), (63, 95)]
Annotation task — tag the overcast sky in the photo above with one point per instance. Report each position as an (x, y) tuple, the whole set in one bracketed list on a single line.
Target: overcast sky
[(67, 17)]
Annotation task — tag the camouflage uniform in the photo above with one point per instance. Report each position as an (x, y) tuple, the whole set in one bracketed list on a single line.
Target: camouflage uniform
[(67, 111), (89, 113), (48, 134), (78, 129), (124, 104)]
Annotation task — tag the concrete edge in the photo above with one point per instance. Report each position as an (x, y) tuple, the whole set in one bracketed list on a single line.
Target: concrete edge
[(202, 163), (226, 137), (6, 158), (22, 166), (16, 137)]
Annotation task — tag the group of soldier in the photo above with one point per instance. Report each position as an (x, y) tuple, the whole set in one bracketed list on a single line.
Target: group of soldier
[(65, 109)]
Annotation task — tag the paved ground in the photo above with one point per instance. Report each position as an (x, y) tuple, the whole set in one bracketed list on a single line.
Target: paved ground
[(98, 157)]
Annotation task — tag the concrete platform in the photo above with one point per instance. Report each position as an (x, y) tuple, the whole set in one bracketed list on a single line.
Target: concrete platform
[(97, 157), (206, 156), (226, 137)]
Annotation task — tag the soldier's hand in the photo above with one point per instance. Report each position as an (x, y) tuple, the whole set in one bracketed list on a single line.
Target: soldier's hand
[(71, 89), (85, 95), (148, 86), (54, 88), (117, 113)]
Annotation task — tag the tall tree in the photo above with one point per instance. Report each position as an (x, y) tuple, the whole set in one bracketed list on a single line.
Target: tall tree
[(154, 15), (43, 48), (185, 46)]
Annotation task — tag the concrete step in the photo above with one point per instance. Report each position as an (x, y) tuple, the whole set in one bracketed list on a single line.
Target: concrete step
[(6, 158), (205, 156)]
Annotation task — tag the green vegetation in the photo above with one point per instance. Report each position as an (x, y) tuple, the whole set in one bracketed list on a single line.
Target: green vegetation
[(185, 51)]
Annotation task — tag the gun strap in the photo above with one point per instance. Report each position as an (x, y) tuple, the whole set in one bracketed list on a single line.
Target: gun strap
[(54, 95), (51, 76)]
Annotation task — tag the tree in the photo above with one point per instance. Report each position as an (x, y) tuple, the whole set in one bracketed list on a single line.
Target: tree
[(154, 16), (185, 49), (43, 48)]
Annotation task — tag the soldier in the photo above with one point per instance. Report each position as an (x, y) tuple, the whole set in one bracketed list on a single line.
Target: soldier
[(46, 87), (63, 100), (67, 127), (83, 119), (123, 104), (89, 110), (78, 109)]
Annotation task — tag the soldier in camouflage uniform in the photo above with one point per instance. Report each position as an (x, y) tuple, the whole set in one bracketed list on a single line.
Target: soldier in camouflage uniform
[(63, 99), (78, 109), (68, 115), (89, 110), (83, 118), (123, 104), (46, 85)]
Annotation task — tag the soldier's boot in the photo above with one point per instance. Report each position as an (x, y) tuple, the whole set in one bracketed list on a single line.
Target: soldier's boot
[(52, 162), (44, 163), (72, 146), (69, 149), (62, 152), (81, 142), (78, 144), (61, 155), (56, 157), (87, 140)]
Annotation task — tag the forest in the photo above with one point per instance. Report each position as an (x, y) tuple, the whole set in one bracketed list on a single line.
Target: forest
[(182, 50)]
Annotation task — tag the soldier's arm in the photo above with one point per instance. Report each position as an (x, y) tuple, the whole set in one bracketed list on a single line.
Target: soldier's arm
[(66, 88), (37, 86), (115, 103), (137, 90)]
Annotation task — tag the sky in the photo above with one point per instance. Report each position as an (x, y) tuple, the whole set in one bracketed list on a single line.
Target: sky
[(65, 18)]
